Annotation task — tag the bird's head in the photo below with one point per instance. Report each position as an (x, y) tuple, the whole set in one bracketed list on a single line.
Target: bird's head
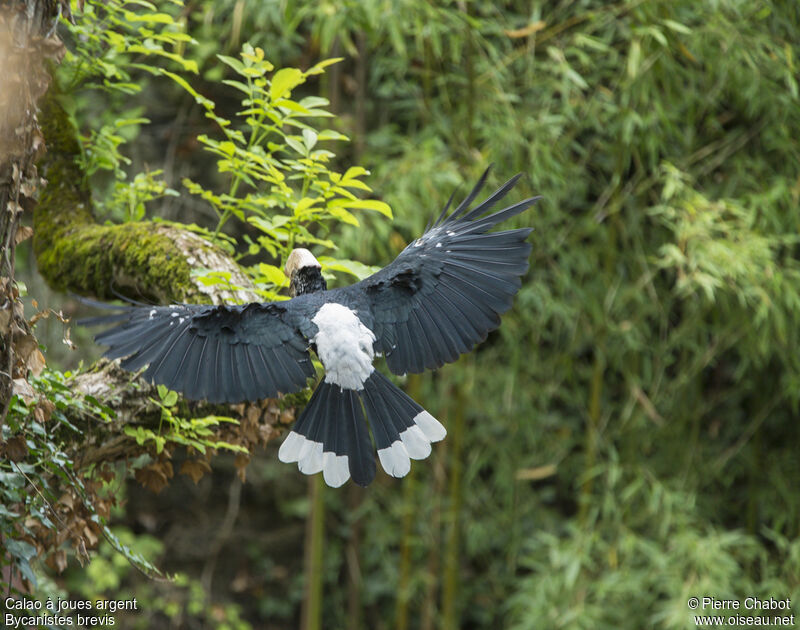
[(304, 272)]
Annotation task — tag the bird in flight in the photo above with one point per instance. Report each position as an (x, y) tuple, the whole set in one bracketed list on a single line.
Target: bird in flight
[(442, 295)]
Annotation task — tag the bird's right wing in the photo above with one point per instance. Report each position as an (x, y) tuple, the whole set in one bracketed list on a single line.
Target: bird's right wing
[(225, 353), (447, 289)]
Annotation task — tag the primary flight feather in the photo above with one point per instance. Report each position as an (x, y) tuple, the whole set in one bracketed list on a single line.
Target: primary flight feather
[(443, 294)]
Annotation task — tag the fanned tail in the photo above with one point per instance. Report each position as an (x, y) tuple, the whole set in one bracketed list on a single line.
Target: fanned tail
[(331, 435)]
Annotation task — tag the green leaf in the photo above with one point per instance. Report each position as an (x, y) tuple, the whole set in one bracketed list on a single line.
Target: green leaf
[(312, 102), (234, 63), (273, 274), (320, 67), (330, 134), (284, 81), (304, 204), (352, 267), (354, 171), (364, 204), (343, 215), (20, 549), (293, 142), (150, 18), (309, 138)]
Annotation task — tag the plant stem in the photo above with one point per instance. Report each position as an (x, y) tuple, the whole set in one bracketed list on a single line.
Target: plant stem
[(453, 543), (311, 617)]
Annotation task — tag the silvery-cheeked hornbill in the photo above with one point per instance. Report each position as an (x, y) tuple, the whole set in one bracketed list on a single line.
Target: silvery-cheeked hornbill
[(441, 296)]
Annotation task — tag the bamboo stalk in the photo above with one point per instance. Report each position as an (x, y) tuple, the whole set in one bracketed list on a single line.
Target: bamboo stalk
[(453, 542), (354, 497), (409, 487), (592, 437), (311, 614), (428, 612)]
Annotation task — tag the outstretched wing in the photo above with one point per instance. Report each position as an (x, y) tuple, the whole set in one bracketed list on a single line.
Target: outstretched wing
[(447, 289), (225, 353)]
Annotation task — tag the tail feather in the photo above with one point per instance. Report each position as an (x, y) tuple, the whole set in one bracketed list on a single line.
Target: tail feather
[(402, 429), (359, 446), (332, 436)]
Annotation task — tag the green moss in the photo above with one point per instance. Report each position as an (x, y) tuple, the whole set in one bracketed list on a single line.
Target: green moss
[(76, 254)]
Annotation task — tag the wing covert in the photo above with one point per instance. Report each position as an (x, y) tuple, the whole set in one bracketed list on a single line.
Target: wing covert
[(224, 353), (446, 290)]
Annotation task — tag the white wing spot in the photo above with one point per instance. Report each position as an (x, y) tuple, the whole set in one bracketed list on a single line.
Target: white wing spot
[(438, 244), (152, 314)]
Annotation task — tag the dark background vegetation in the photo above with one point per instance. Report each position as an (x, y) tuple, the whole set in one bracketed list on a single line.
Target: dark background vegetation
[(629, 437)]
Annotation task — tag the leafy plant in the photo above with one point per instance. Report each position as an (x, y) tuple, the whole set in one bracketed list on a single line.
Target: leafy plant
[(193, 433), (38, 479), (280, 179)]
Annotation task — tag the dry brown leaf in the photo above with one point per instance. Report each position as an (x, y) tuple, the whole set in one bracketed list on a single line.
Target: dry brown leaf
[(155, 476), (23, 389), (82, 555), (67, 500), (44, 409), (23, 232), (89, 536), (36, 362), (266, 432), (16, 448), (241, 461), (253, 413), (287, 416), (58, 561), (195, 468), (5, 315)]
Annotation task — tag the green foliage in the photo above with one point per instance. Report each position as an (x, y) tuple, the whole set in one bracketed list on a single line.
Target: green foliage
[(109, 577), (628, 437), (193, 433), (38, 479), (280, 181), (111, 45)]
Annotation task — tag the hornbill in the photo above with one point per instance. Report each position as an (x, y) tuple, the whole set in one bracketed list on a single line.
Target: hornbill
[(440, 296)]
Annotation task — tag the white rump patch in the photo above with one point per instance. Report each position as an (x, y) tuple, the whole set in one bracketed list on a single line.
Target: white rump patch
[(335, 469), (394, 459), (430, 426), (344, 345)]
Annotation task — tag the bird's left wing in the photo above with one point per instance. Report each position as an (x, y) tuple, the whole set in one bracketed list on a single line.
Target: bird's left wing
[(225, 353), (447, 289)]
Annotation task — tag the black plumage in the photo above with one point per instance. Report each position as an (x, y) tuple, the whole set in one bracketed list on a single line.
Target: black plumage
[(443, 294)]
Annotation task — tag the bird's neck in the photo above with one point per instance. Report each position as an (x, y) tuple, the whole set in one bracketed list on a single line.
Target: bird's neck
[(307, 280)]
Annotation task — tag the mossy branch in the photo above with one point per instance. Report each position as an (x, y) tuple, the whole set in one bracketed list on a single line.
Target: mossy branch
[(141, 259)]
